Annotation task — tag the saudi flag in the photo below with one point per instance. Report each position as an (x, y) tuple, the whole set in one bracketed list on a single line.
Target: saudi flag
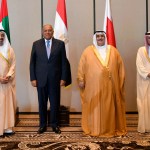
[(60, 26), (4, 21), (108, 25)]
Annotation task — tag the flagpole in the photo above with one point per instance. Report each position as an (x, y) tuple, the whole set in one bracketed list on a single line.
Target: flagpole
[(94, 13), (41, 17), (146, 15)]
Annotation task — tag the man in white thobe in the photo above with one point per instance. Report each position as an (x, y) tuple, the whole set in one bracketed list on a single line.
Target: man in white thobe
[(143, 85), (7, 86)]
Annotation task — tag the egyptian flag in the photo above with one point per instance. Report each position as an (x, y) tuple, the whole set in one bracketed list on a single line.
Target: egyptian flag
[(4, 21), (61, 31), (108, 25), (60, 27)]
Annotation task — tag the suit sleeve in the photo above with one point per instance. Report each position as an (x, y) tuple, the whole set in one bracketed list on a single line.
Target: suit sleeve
[(66, 71), (63, 62), (69, 79), (32, 63)]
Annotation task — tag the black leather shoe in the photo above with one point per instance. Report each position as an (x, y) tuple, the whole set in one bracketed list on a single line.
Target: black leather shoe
[(9, 133), (41, 130), (56, 130), (2, 136)]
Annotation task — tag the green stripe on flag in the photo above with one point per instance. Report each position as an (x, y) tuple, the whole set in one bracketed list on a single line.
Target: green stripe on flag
[(5, 24)]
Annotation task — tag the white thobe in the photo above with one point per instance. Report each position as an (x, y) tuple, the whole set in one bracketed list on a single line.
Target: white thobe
[(7, 92), (143, 90)]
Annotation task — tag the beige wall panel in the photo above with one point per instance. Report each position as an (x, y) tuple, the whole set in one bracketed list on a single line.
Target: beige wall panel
[(25, 25), (130, 26)]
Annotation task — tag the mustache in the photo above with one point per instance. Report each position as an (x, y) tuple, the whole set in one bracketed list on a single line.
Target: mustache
[(100, 39)]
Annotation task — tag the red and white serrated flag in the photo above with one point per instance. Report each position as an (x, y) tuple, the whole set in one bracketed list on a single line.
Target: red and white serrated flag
[(108, 25), (60, 27)]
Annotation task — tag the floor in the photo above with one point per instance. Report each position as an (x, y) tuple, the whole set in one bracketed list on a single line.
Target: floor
[(72, 136)]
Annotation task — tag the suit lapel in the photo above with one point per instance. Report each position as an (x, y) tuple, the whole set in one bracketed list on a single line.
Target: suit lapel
[(53, 48)]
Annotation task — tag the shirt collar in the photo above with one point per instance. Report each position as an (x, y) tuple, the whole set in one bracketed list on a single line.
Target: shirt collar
[(48, 40)]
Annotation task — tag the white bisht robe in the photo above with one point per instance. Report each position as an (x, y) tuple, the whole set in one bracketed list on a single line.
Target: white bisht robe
[(143, 90), (7, 91)]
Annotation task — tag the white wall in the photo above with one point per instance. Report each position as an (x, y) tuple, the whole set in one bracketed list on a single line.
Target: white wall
[(129, 20)]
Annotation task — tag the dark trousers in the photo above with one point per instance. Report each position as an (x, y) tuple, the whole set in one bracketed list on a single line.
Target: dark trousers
[(53, 94)]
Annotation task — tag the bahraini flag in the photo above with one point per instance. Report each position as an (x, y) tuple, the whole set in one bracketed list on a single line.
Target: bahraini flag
[(60, 26), (4, 20), (108, 25)]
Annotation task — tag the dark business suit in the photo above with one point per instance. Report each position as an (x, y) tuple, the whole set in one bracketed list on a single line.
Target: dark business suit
[(48, 73)]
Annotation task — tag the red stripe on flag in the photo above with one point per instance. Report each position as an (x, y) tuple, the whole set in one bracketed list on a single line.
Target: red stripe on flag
[(3, 10), (110, 33), (61, 9)]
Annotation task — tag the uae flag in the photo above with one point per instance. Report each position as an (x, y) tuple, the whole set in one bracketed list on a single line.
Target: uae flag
[(60, 26), (108, 25), (4, 21)]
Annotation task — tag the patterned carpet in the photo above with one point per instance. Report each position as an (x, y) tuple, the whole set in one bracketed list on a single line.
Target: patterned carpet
[(72, 137)]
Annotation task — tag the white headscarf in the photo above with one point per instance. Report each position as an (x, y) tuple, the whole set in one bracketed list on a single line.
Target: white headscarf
[(5, 47), (95, 41), (101, 49)]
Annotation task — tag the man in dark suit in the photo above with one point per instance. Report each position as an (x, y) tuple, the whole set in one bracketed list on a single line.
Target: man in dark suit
[(48, 71)]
